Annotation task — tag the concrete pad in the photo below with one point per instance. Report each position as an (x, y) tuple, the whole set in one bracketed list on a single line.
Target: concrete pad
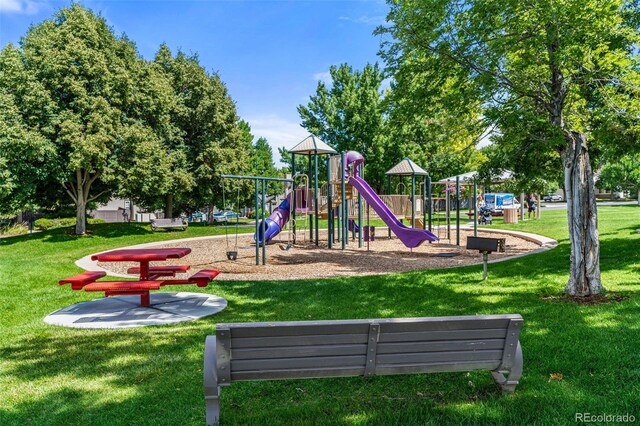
[(126, 312)]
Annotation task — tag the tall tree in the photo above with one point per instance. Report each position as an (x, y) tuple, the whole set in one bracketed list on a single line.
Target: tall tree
[(348, 115), (207, 140), (70, 85), (574, 60)]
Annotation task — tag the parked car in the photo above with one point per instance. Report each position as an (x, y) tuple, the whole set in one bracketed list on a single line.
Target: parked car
[(552, 197), (224, 216)]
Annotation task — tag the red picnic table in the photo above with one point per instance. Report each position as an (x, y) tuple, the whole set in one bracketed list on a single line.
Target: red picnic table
[(148, 274)]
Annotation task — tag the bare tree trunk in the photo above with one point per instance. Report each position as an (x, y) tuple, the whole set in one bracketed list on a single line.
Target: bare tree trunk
[(168, 206), (584, 278)]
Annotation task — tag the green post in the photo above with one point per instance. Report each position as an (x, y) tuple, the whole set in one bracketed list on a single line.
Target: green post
[(413, 201), (343, 207), (257, 224), (360, 210), (329, 205), (293, 195), (475, 208), (310, 176), (389, 193), (424, 202), (430, 199), (457, 210), (316, 196), (264, 228)]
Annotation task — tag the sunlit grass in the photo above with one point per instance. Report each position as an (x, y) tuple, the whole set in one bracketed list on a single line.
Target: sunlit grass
[(153, 375)]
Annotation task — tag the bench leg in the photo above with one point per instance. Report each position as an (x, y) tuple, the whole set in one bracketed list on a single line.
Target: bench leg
[(211, 388), (508, 384)]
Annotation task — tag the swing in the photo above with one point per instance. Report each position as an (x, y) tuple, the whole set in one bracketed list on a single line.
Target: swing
[(231, 254)]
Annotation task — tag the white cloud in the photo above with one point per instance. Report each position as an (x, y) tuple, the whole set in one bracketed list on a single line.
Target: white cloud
[(324, 76), (279, 132), (365, 20), (24, 7)]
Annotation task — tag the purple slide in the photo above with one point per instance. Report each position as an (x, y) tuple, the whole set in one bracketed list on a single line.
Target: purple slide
[(410, 237), (274, 223)]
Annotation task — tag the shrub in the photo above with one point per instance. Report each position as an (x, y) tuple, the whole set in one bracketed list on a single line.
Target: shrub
[(67, 221), (93, 221), (16, 229), (44, 224)]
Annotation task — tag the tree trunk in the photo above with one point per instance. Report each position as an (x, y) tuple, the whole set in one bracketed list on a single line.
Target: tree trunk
[(168, 206), (210, 214), (584, 278), (81, 216)]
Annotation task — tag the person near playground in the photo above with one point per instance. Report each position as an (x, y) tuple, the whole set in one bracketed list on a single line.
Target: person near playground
[(531, 204)]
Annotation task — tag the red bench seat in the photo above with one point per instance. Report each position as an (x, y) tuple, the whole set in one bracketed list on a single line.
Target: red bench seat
[(200, 278), (161, 271), (81, 280), (132, 286)]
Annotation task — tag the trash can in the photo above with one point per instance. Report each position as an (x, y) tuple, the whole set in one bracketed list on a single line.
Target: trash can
[(369, 233), (510, 215)]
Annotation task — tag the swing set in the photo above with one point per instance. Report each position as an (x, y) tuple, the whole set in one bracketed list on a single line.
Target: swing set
[(260, 186)]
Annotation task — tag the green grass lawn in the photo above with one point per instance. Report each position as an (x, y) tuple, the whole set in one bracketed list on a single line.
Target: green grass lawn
[(57, 376)]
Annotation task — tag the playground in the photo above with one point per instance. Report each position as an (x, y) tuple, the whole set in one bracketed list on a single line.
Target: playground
[(307, 260)]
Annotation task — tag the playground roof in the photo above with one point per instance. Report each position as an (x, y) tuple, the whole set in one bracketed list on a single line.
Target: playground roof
[(470, 176), (406, 167), (312, 145)]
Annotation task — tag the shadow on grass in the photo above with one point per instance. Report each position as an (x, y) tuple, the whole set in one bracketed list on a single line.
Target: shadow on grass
[(158, 371)]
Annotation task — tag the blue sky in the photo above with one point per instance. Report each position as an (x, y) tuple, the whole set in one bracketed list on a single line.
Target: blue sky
[(270, 53)]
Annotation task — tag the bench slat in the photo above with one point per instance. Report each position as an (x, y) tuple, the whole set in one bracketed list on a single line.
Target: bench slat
[(460, 324), (438, 346), (439, 357), (422, 336), (297, 373), (391, 369), (265, 342), (297, 351), (301, 330), (330, 323), (298, 363)]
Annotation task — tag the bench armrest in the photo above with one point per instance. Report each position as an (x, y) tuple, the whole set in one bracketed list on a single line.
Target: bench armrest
[(211, 388)]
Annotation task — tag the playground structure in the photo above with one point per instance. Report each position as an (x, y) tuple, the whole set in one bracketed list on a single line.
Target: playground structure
[(345, 199)]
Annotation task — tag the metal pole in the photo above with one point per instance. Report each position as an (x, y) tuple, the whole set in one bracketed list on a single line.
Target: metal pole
[(457, 210), (329, 212), (310, 176), (315, 193), (413, 201), (424, 202), (448, 211), (475, 208), (389, 193), (360, 212), (430, 199), (343, 206), (264, 229), (293, 196), (257, 224)]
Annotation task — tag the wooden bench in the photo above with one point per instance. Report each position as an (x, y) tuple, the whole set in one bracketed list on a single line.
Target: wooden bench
[(314, 349), (168, 223)]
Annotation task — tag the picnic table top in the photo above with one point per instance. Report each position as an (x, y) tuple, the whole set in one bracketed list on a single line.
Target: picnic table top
[(141, 255)]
